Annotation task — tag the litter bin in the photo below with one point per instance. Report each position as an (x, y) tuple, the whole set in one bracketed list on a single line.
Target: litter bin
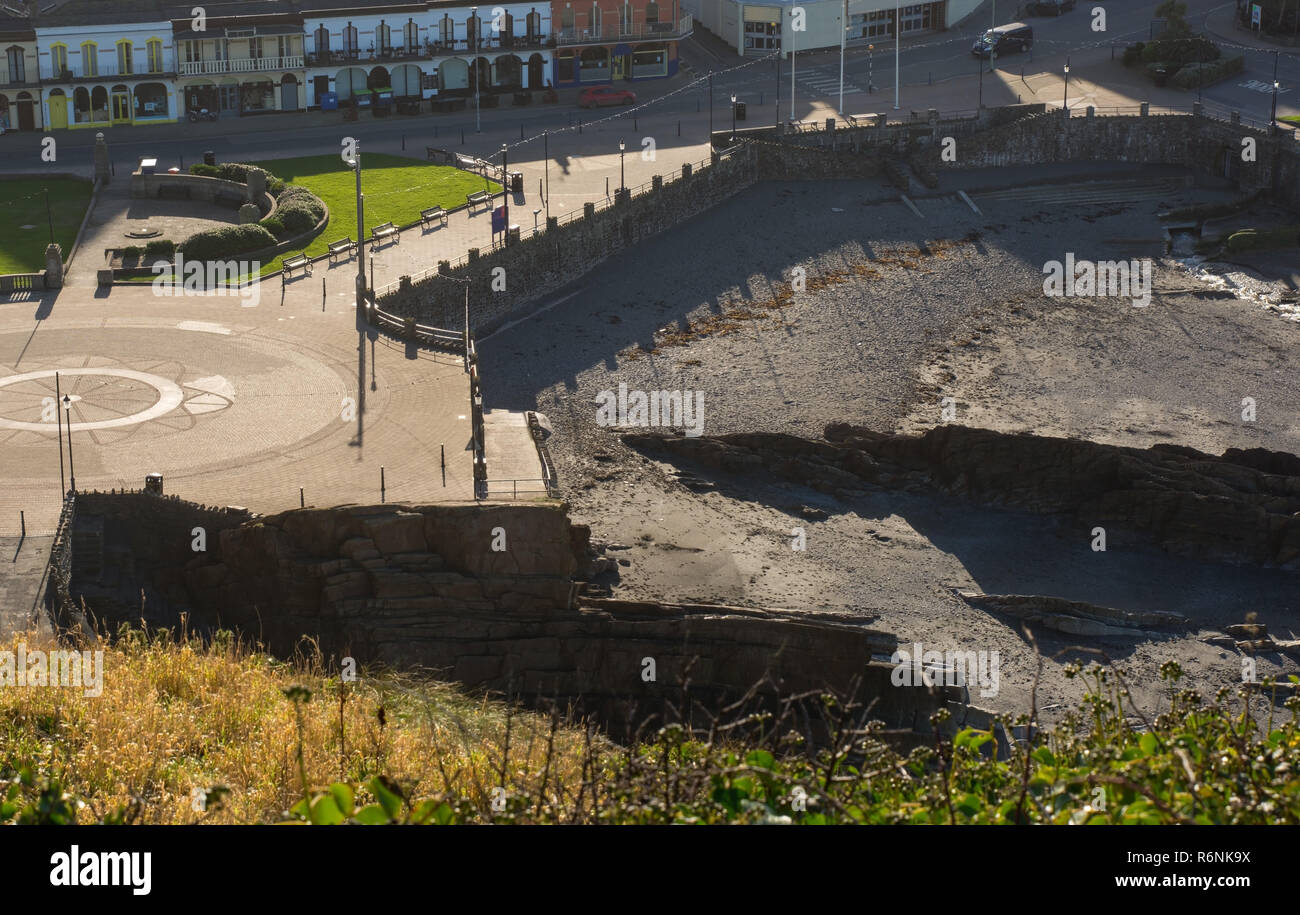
[(517, 182), (209, 158), (740, 111)]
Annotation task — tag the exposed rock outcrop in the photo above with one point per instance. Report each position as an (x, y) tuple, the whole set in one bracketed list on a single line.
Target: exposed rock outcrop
[(1243, 507)]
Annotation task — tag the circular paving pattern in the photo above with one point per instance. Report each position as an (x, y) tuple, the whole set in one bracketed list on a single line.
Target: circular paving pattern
[(100, 398)]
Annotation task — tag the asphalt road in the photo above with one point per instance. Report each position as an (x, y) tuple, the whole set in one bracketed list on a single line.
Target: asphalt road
[(927, 59)]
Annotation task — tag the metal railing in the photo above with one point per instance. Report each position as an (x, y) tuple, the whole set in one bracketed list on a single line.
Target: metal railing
[(544, 487), (240, 65), (426, 334), (22, 282), (600, 205)]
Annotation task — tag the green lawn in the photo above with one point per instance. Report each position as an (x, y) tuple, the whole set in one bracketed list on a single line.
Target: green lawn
[(22, 203), (1291, 119), (396, 188)]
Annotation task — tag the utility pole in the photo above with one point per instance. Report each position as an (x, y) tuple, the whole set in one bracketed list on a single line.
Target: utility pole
[(546, 156), (478, 123), (898, 29), (1273, 115), (362, 300), (505, 191), (58, 416), (844, 30)]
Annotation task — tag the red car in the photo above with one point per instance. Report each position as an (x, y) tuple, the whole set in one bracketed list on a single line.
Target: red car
[(596, 96)]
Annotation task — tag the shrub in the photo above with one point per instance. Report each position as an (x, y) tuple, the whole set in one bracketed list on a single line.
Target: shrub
[(227, 241), (274, 186), (161, 247), (131, 251), (204, 170), (1133, 54), (1195, 75), (273, 225)]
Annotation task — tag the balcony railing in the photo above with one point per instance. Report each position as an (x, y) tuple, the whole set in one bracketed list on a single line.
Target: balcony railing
[(239, 65), (633, 31)]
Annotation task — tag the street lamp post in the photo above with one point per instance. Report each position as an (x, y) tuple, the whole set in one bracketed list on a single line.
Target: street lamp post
[(622, 186), (844, 30), (58, 398), (1276, 86), (898, 29), (1065, 99), (871, 70), (546, 156), (473, 62), (72, 470), (733, 117), (505, 190), (979, 64), (792, 47), (362, 300), (778, 89)]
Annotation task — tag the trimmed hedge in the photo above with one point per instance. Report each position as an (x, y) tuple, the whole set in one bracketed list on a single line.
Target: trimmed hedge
[(161, 247), (227, 241), (298, 210), (1192, 76)]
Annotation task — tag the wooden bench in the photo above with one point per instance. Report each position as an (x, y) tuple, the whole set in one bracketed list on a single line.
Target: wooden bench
[(432, 213), (474, 199), (344, 246), (379, 233), (298, 260)]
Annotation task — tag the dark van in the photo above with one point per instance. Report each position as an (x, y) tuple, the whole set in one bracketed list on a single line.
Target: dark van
[(1015, 36)]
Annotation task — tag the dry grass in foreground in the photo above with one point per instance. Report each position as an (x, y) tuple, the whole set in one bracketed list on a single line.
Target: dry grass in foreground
[(177, 714)]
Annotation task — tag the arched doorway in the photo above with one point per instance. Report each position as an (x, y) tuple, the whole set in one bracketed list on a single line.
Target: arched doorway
[(453, 76), (536, 71), (480, 76), (349, 81), (406, 81), (99, 105), (289, 92), (121, 105), (379, 78), (508, 72), (58, 109), (26, 115)]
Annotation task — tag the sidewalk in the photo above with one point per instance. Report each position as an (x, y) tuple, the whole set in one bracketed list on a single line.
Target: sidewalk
[(1222, 24)]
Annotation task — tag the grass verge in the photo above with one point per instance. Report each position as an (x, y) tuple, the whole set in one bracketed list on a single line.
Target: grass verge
[(22, 204)]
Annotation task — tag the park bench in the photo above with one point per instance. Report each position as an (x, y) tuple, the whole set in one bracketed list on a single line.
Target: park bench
[(298, 260), (432, 213), (474, 199), (342, 247), (379, 233)]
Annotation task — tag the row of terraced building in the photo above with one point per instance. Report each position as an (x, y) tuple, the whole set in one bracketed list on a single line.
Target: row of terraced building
[(100, 63)]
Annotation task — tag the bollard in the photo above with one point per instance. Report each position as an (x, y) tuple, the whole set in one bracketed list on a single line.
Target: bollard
[(634, 122), (22, 519), (521, 131), (462, 136), (403, 141), (607, 187), (579, 125), (322, 293), (679, 128), (182, 163), (381, 483), (302, 503)]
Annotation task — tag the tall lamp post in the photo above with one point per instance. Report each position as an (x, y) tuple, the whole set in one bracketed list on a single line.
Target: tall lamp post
[(871, 70), (622, 187), (710, 109), (355, 164), (1065, 99), (1276, 86), (546, 156), (505, 191), (898, 30), (792, 47), (72, 471), (778, 82), (473, 16), (58, 398), (844, 31), (733, 117)]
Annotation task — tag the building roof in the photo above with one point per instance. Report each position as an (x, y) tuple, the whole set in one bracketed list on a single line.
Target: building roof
[(111, 12)]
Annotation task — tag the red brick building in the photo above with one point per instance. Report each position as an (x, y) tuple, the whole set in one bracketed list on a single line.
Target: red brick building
[(606, 41)]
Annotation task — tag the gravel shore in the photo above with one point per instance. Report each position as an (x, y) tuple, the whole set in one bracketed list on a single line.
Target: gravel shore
[(899, 312)]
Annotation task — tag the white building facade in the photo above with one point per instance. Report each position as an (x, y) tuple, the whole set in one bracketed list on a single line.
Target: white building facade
[(105, 75), (424, 50), (758, 29)]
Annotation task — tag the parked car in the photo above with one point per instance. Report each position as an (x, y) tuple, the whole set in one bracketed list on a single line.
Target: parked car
[(1049, 7), (1015, 36), (596, 96)]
